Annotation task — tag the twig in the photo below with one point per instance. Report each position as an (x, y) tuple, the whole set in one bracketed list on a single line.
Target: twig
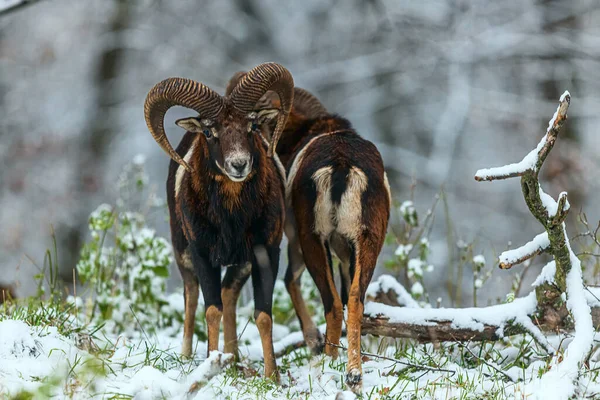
[(498, 176), (587, 253), (592, 293), (562, 210), (421, 367), (466, 347), (560, 116)]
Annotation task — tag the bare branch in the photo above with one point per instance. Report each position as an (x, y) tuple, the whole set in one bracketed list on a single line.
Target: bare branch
[(557, 121)]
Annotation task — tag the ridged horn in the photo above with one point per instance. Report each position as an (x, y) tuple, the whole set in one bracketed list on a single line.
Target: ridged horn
[(178, 92), (260, 79), (307, 104), (233, 82)]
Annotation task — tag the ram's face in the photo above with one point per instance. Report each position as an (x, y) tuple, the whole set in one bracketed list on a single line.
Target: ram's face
[(230, 140)]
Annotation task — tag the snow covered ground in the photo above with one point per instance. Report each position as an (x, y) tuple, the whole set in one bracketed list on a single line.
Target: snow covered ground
[(38, 361)]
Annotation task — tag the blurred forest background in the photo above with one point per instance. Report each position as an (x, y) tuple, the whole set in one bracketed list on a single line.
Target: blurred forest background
[(442, 87)]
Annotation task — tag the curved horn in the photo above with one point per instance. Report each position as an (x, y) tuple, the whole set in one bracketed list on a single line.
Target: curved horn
[(233, 82), (260, 79), (178, 92), (307, 104)]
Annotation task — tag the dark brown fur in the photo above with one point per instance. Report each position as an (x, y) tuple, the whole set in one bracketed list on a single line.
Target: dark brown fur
[(345, 159), (217, 222)]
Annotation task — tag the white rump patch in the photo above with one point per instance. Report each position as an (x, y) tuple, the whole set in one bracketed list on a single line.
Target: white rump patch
[(323, 206), (349, 213), (345, 218)]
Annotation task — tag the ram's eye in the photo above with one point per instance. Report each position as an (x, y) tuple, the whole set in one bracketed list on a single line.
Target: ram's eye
[(254, 126), (207, 133)]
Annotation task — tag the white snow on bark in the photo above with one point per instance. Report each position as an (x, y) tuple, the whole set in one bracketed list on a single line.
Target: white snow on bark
[(540, 242)]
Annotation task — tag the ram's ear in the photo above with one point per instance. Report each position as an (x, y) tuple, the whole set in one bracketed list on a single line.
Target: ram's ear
[(190, 124)]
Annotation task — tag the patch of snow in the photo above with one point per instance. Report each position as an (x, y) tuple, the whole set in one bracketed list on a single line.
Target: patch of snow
[(547, 274), (417, 289), (139, 159), (549, 203), (385, 283), (403, 250), (415, 267), (479, 260), (407, 207), (560, 381)]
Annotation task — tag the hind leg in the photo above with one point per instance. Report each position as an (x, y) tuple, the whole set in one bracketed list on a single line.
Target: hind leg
[(363, 264), (293, 275), (232, 285), (344, 251), (315, 256)]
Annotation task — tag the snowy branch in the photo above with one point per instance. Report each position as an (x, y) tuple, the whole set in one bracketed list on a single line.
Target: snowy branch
[(566, 267), (542, 310), (534, 160), (537, 246)]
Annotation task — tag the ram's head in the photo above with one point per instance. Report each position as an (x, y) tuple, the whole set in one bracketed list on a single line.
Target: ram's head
[(227, 124)]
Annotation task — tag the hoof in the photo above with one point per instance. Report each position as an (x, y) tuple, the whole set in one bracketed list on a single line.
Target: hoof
[(317, 345), (354, 380)]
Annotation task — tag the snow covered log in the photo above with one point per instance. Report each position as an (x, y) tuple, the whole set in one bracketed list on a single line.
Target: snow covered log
[(385, 317), (436, 326)]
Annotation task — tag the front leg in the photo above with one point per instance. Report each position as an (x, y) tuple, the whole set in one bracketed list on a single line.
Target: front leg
[(234, 280), (210, 283), (264, 271)]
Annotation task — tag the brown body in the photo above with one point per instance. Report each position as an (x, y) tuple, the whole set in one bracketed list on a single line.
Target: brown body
[(227, 224), (225, 193), (338, 200)]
